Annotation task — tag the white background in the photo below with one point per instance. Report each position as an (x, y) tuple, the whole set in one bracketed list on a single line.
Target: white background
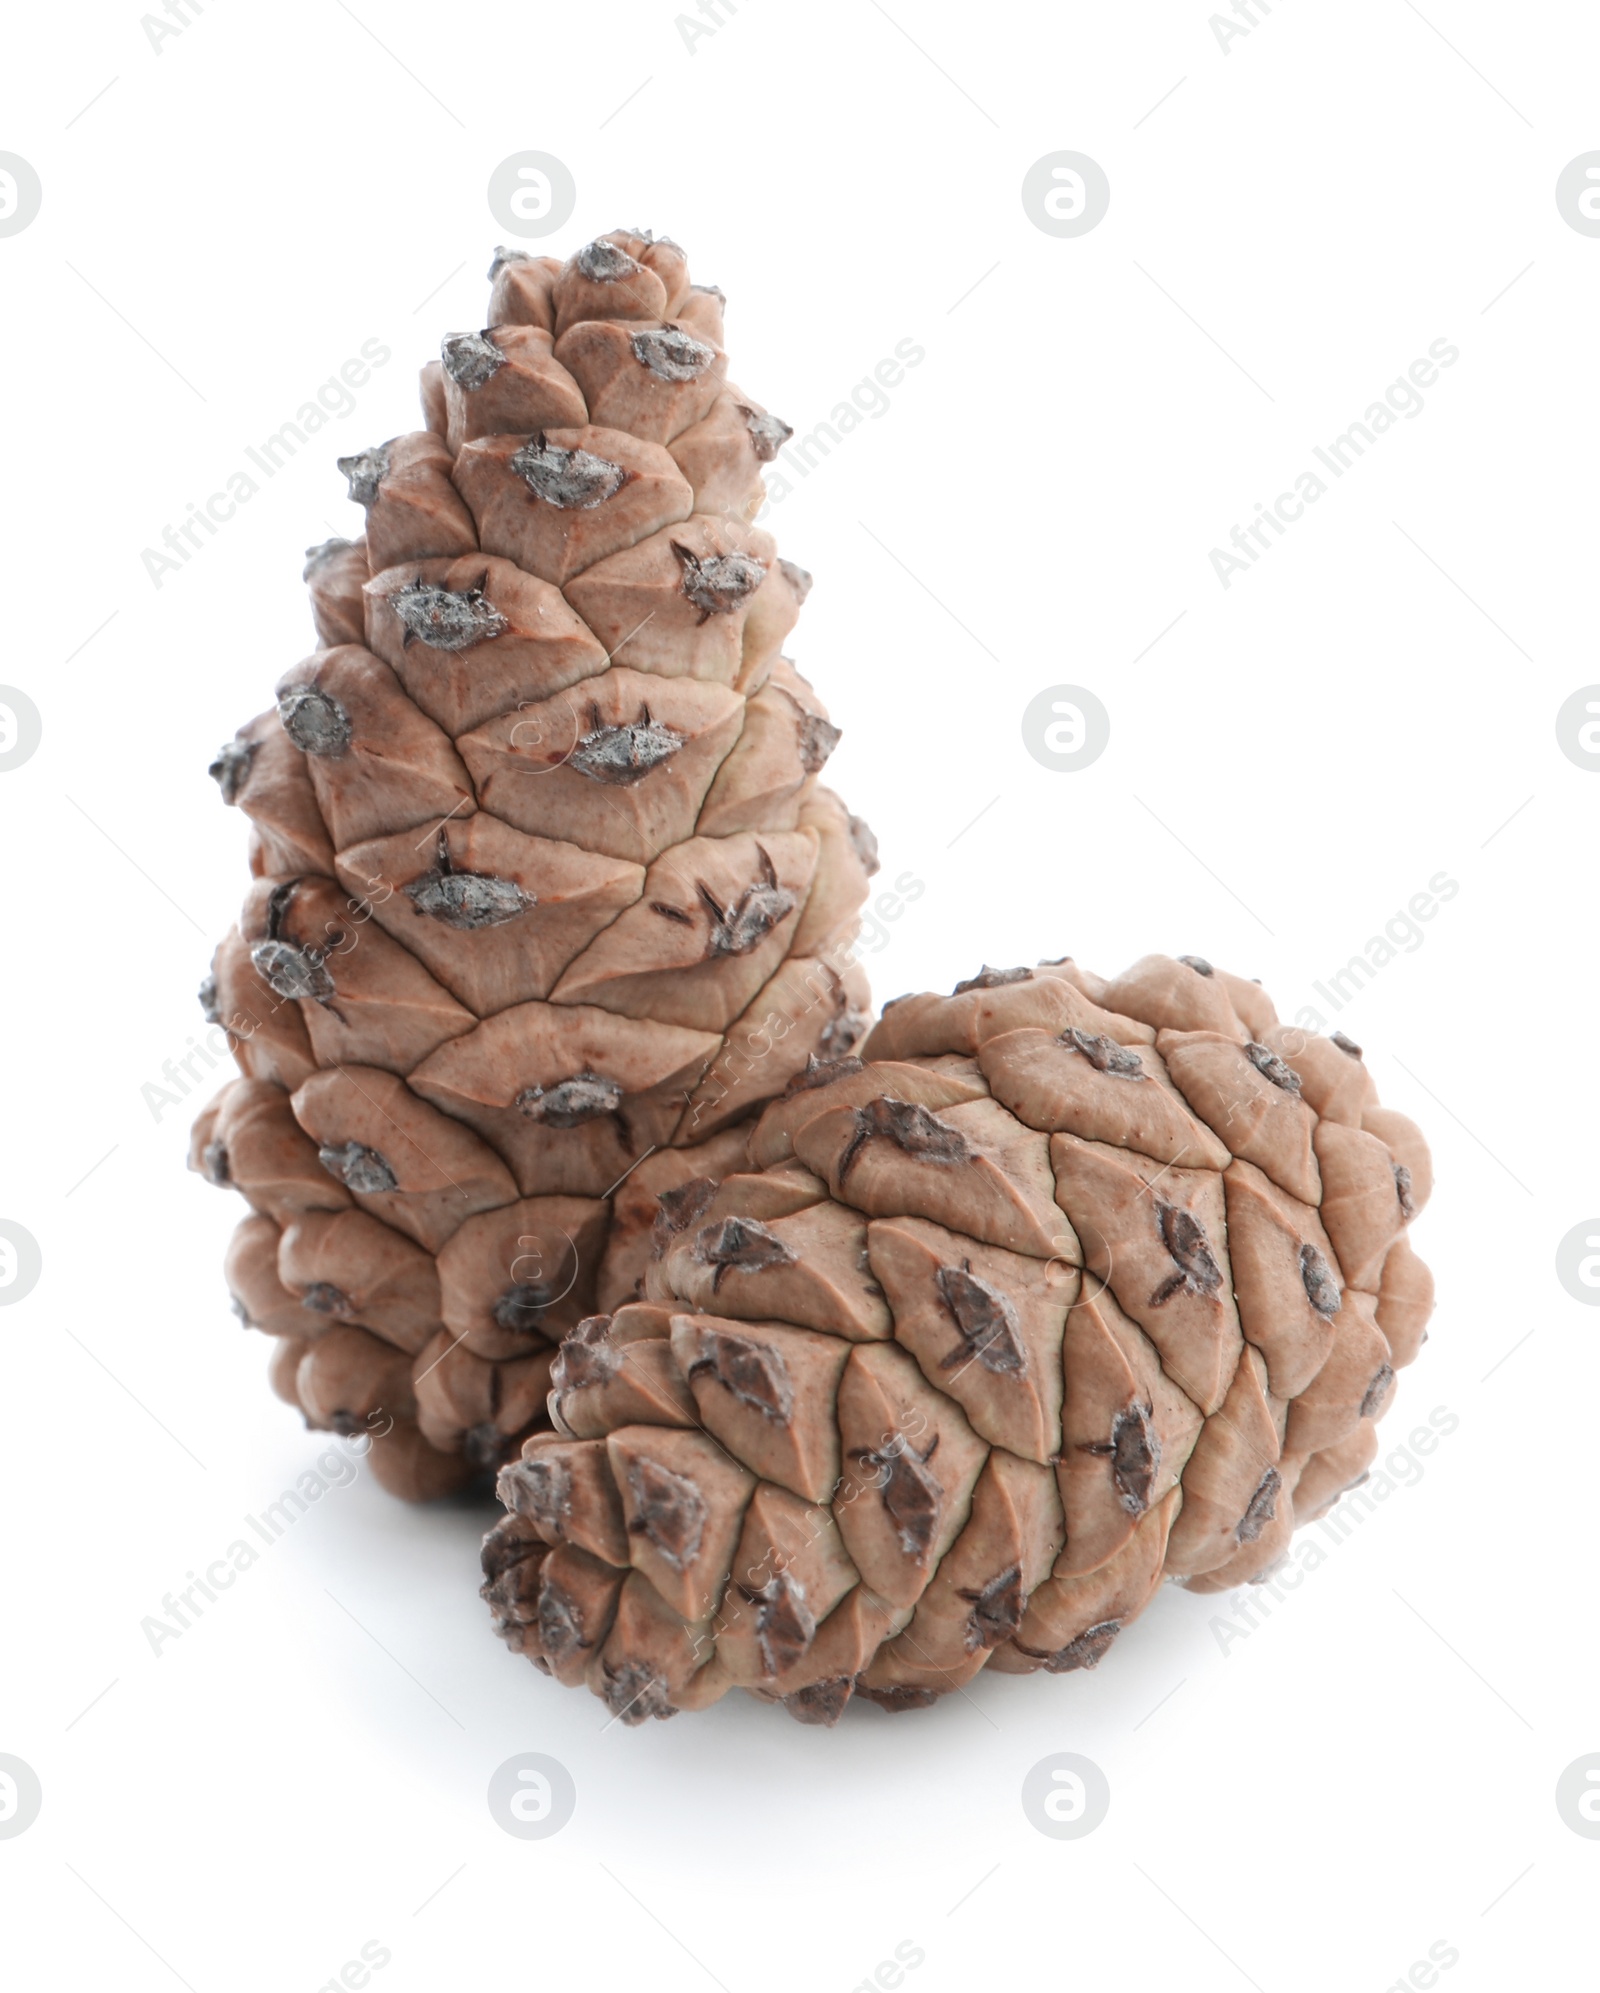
[(1374, 702)]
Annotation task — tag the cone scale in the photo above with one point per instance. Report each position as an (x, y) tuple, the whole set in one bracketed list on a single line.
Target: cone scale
[(1062, 1287), (547, 897)]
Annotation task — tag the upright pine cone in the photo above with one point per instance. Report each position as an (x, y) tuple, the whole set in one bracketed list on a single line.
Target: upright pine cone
[(547, 897), (1070, 1286)]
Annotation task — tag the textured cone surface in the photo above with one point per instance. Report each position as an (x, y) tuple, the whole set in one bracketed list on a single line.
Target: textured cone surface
[(547, 899), (1060, 1288)]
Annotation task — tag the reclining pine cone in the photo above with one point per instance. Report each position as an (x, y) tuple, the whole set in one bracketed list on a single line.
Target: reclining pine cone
[(1062, 1286), (548, 898)]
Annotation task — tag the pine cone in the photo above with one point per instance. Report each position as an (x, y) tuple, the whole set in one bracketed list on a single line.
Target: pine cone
[(548, 899), (1072, 1285)]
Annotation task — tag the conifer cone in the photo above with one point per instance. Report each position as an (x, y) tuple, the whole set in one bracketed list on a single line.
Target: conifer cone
[(1063, 1286), (547, 897)]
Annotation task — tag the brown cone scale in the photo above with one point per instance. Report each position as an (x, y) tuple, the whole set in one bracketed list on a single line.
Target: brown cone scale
[(1061, 1287), (547, 903)]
